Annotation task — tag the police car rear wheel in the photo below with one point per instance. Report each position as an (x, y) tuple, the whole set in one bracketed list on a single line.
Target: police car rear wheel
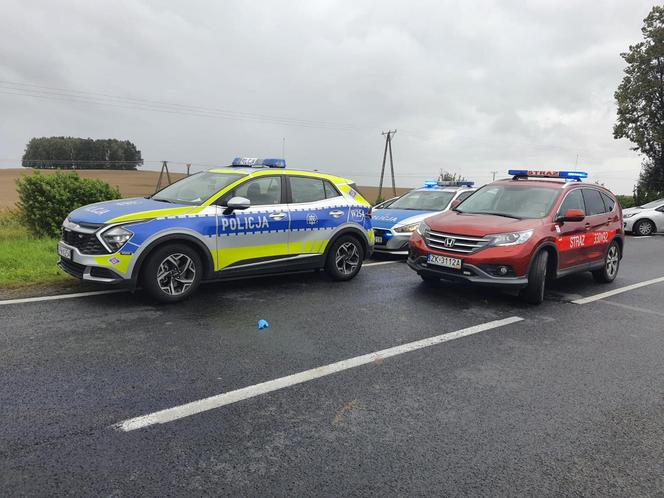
[(534, 291), (611, 265), (345, 258), (172, 273)]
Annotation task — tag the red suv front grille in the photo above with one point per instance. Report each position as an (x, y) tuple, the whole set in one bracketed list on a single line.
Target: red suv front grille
[(455, 243)]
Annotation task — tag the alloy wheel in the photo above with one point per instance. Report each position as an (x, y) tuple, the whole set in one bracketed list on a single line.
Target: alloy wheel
[(645, 228), (347, 258), (176, 274), (612, 261)]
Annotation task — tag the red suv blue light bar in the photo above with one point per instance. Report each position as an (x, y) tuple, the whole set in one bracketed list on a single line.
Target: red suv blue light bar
[(525, 173)]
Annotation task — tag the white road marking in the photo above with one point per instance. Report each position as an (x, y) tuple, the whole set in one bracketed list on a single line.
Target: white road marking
[(202, 405), (619, 290), (61, 296)]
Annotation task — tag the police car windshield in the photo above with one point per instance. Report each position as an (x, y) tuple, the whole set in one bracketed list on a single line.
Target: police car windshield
[(196, 189), (424, 200), (512, 201)]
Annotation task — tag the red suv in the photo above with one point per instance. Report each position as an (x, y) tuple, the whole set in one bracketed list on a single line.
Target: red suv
[(520, 232)]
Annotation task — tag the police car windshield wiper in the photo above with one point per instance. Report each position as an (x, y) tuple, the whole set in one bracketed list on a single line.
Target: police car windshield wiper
[(162, 200)]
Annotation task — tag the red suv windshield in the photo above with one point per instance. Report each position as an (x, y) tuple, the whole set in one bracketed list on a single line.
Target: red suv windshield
[(511, 201)]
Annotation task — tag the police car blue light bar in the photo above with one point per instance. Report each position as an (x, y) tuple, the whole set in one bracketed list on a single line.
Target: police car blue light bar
[(572, 175), (431, 184), (455, 183), (255, 162)]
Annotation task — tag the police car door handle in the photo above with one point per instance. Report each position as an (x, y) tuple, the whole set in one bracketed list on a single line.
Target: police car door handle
[(278, 216), (336, 213)]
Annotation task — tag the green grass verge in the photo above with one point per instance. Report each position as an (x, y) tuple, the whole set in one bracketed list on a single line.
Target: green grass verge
[(26, 260)]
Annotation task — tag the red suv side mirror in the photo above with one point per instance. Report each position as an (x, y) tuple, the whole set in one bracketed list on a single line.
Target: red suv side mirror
[(573, 215), (455, 203)]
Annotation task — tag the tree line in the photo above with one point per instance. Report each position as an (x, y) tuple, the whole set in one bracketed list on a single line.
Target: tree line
[(81, 153)]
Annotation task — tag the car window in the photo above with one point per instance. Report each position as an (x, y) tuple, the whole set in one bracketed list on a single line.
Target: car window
[(424, 200), (195, 189), (260, 191), (330, 191), (593, 201), (609, 202), (514, 201), (464, 195), (574, 200), (306, 189)]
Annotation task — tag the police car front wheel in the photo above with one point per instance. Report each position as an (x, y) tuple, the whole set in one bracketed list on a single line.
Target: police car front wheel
[(345, 258), (172, 272)]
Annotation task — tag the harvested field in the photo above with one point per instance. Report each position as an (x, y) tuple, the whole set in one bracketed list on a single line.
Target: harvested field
[(130, 183)]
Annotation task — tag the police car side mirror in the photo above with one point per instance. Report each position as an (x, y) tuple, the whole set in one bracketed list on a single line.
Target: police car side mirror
[(573, 215), (239, 203)]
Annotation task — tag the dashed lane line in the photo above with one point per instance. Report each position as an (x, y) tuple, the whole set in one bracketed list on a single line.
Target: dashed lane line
[(203, 405)]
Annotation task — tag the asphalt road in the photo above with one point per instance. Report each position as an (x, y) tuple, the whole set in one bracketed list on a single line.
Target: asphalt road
[(568, 401)]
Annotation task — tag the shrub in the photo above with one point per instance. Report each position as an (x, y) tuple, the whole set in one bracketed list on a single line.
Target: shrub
[(45, 201), (626, 201)]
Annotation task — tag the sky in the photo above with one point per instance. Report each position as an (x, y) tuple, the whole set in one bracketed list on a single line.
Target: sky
[(471, 87)]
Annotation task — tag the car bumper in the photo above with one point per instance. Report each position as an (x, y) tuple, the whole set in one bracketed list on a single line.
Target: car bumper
[(628, 224), (87, 267), (468, 274), (392, 243)]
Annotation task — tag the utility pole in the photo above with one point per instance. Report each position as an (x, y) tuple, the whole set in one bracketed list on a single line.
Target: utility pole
[(188, 168), (494, 175), (164, 169), (388, 147), (283, 148)]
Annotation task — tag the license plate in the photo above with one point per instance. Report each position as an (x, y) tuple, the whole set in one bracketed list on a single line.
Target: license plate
[(379, 240), (63, 251), (445, 261)]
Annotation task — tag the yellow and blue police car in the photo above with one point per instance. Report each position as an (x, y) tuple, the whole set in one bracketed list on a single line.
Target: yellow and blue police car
[(253, 217)]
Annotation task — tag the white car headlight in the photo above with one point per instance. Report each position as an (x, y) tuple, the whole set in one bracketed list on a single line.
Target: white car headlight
[(628, 215), (116, 237), (423, 228), (407, 228), (511, 238)]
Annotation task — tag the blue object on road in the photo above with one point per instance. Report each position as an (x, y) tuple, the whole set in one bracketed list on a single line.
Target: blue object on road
[(262, 324)]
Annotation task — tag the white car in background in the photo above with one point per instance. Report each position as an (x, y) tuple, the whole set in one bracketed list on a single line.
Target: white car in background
[(645, 220)]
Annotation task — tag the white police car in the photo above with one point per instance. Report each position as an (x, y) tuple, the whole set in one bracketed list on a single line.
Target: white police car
[(394, 220)]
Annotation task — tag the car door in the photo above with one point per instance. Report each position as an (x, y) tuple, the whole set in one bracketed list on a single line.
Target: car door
[(571, 234), (316, 209), (259, 235), (597, 225)]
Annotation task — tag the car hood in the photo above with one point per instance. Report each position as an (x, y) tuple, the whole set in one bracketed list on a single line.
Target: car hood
[(477, 225), (121, 209), (387, 218), (634, 210)]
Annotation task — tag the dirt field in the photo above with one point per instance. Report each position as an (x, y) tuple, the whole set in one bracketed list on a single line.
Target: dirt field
[(130, 183)]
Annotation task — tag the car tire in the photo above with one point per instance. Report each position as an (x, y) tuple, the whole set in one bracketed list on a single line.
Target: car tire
[(644, 228), (534, 291), (172, 273), (611, 266), (344, 260)]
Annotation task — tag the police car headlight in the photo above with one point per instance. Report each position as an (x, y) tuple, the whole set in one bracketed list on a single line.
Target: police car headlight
[(407, 228), (116, 237), (423, 229), (511, 238), (628, 215)]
